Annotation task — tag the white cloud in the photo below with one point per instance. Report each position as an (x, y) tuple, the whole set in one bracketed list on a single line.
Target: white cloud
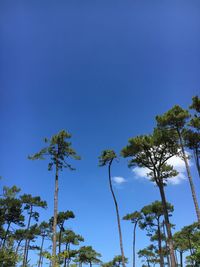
[(118, 180), (175, 161)]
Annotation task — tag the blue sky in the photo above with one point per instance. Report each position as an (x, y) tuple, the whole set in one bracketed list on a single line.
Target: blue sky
[(101, 70)]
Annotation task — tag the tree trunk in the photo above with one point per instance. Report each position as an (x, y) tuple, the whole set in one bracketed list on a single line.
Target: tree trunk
[(55, 216), (168, 225), (196, 157), (181, 258), (18, 245), (189, 177), (7, 230), (134, 235), (59, 243), (41, 250), (118, 218), (168, 261), (26, 241), (160, 245)]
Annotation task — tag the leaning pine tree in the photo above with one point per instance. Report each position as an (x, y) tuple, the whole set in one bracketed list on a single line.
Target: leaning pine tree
[(175, 119), (106, 158), (58, 151), (152, 152)]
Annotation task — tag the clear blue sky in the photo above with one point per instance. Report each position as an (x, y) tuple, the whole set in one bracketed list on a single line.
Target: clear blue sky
[(101, 70)]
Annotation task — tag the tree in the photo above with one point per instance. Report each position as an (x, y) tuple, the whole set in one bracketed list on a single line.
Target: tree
[(115, 262), (106, 158), (192, 135), (44, 232), (70, 238), (62, 217), (175, 119), (180, 244), (134, 217), (191, 236), (148, 254), (151, 220), (30, 203), (87, 254), (152, 152), (10, 211), (58, 151)]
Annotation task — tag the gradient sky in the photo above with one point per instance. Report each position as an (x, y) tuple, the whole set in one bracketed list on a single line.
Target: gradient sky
[(101, 70)]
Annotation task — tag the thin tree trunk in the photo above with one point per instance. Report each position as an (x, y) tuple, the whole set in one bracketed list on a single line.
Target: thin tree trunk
[(26, 240), (59, 243), (197, 160), (160, 245), (181, 258), (168, 261), (41, 250), (168, 226), (7, 230), (189, 177), (134, 236), (18, 245), (27, 251), (65, 261), (55, 216), (117, 213)]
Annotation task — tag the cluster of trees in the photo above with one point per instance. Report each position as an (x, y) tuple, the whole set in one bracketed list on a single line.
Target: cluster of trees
[(176, 135), (19, 236), (177, 131)]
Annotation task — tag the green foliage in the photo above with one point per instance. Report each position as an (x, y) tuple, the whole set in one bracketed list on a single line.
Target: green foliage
[(133, 217), (116, 262), (152, 152), (195, 104), (152, 213), (87, 254), (106, 157), (174, 118), (58, 150), (8, 258)]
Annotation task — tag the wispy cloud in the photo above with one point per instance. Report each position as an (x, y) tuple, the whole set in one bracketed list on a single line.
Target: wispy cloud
[(175, 161), (119, 180)]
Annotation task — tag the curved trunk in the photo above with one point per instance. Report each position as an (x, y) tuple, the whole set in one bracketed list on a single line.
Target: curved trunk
[(189, 178), (168, 226), (27, 241), (160, 245), (117, 213), (55, 217), (134, 235)]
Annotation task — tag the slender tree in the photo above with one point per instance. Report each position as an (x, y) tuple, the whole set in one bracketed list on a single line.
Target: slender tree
[(58, 151), (175, 119), (148, 255), (152, 152), (70, 238), (192, 134), (88, 255), (44, 232), (151, 220), (106, 158), (29, 204), (134, 217)]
